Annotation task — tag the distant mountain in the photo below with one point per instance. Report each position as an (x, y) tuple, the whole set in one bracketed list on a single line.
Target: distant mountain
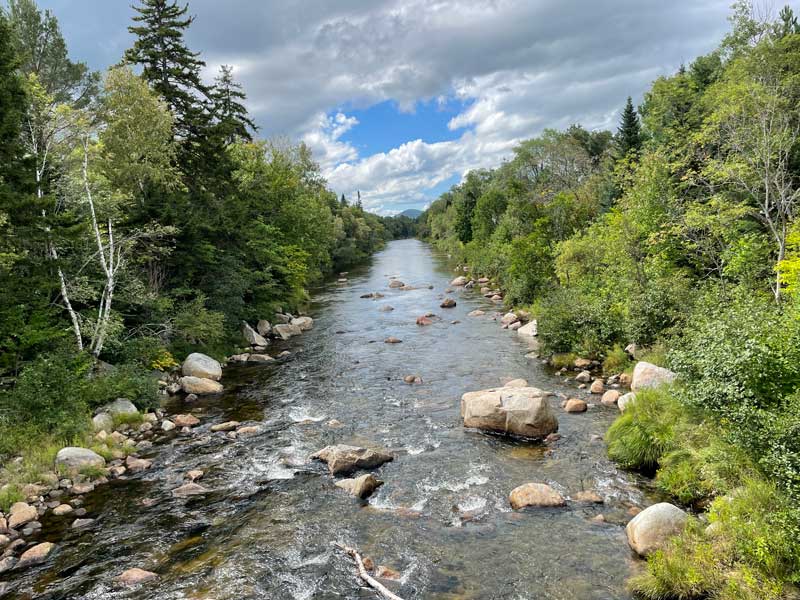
[(411, 213)]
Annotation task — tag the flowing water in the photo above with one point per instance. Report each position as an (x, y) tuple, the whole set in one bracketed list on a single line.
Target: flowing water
[(442, 518)]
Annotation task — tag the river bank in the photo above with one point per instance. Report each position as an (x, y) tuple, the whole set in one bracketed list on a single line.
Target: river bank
[(442, 518)]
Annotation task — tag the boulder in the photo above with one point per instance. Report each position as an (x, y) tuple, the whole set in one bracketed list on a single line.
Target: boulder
[(286, 330), (202, 366), (303, 323), (509, 318), (610, 398), (36, 554), (647, 375), (20, 514), (448, 303), (459, 281), (575, 405), (167, 425), (582, 363), (120, 406), (396, 283), (186, 420), (360, 487), (263, 327), (424, 321), (259, 358), (342, 458), (135, 465), (625, 401), (392, 340), (74, 459), (282, 318), (200, 385), (81, 523), (597, 387), (583, 377), (625, 379), (62, 509), (103, 422), (654, 526), (252, 336), (135, 576), (535, 494), (521, 411), (226, 426), (529, 330)]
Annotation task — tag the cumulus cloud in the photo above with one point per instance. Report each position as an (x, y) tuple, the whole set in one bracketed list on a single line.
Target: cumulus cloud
[(519, 66)]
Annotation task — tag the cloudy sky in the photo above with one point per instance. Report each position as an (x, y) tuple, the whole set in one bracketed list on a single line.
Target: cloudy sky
[(399, 98)]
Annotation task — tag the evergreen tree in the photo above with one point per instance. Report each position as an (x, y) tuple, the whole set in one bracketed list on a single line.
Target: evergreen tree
[(171, 68), (233, 120), (629, 134), (12, 102)]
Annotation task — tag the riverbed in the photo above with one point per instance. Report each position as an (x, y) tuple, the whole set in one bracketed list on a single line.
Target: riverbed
[(441, 519)]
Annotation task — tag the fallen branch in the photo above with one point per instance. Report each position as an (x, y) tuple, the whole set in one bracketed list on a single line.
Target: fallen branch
[(362, 572)]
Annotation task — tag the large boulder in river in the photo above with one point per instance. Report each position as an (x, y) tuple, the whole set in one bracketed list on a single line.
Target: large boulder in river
[(654, 526), (448, 303), (252, 336), (342, 458), (459, 281), (535, 494), (303, 323), (647, 375), (201, 365), (286, 330), (263, 327), (521, 411), (73, 458), (529, 330), (200, 385)]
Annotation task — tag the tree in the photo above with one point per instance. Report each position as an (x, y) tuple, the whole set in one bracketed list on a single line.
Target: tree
[(228, 97), (12, 103), (167, 63), (629, 134)]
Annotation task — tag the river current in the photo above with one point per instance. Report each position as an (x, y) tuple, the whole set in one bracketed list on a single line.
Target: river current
[(442, 518)]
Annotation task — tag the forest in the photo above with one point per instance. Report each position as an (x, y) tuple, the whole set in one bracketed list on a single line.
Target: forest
[(124, 246), (675, 240)]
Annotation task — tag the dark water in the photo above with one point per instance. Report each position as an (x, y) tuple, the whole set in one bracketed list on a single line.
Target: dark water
[(442, 518)]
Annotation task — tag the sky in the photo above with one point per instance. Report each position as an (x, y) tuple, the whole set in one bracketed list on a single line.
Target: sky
[(399, 99)]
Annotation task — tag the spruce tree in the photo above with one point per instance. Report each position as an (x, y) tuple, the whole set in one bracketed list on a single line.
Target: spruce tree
[(233, 120), (12, 103), (629, 134), (171, 68)]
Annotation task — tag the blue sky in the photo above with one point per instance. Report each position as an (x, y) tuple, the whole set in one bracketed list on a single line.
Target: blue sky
[(398, 99)]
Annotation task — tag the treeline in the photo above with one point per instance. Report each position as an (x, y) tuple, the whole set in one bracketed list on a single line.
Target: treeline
[(141, 218), (677, 233)]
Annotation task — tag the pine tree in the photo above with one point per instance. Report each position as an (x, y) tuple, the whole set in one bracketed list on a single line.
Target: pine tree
[(233, 120), (629, 134), (171, 68), (12, 102)]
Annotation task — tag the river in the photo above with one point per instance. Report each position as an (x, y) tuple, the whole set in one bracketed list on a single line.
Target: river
[(442, 518)]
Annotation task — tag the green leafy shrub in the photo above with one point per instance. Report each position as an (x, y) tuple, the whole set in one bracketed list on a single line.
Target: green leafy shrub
[(616, 361)]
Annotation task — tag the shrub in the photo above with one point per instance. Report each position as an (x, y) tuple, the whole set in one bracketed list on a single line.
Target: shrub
[(9, 494), (647, 430), (616, 361)]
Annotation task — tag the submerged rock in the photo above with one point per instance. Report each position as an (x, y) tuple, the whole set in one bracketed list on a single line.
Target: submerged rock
[(647, 375), (342, 458), (396, 283), (190, 489), (202, 366), (535, 494), (476, 313), (654, 526), (393, 340), (448, 303), (523, 411), (135, 576), (360, 487), (386, 308), (459, 281)]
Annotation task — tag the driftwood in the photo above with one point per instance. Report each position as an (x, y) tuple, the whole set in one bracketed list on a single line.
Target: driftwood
[(362, 572)]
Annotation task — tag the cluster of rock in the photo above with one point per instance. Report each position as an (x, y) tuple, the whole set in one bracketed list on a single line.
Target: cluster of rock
[(343, 459), (284, 327), (493, 294)]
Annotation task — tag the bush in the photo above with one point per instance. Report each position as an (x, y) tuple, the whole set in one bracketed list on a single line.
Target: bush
[(647, 430), (616, 361)]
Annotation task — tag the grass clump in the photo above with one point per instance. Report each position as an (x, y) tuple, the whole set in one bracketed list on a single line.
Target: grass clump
[(562, 360), (616, 361), (9, 494)]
